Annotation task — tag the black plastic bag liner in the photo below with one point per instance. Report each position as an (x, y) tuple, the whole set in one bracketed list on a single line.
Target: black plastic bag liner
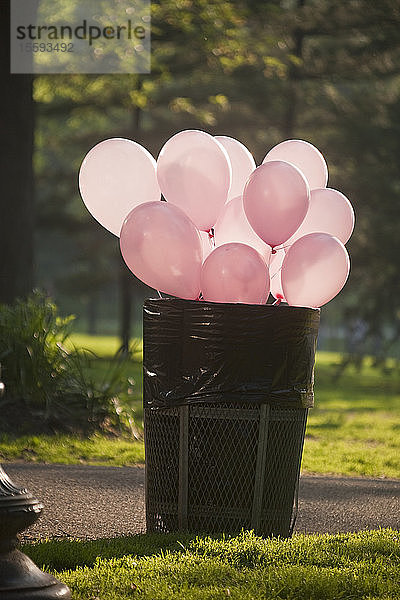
[(199, 352)]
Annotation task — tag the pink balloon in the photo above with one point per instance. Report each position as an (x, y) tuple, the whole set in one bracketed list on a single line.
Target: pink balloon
[(314, 270), (276, 200), (162, 247), (306, 157), (275, 267), (232, 226), (242, 162), (331, 212), (207, 243), (194, 172), (235, 273), (115, 176)]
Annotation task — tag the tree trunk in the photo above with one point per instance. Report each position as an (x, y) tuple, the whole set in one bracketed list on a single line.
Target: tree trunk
[(126, 276), (16, 174), (126, 307)]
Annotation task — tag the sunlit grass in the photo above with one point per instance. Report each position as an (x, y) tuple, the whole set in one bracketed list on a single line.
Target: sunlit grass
[(354, 428), (363, 565), (70, 449), (101, 345)]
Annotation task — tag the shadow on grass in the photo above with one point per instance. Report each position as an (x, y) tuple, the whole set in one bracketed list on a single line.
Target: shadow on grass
[(367, 390), (67, 554)]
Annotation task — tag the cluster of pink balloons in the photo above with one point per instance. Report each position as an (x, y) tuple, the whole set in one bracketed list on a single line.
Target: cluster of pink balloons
[(225, 229)]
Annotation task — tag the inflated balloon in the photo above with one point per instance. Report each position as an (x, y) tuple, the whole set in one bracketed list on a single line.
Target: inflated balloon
[(242, 163), (232, 226), (275, 267), (276, 200), (331, 212), (162, 247), (115, 176), (306, 157), (228, 231), (235, 273), (206, 243), (194, 172), (314, 270)]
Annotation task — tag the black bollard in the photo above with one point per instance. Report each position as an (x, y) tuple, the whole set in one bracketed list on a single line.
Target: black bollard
[(20, 578)]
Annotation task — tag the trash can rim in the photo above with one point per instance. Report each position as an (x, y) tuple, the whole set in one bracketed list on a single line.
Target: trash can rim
[(206, 303)]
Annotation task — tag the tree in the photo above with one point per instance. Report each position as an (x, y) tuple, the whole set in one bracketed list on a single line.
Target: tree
[(348, 81), (17, 213), (259, 71), (180, 92), (340, 90)]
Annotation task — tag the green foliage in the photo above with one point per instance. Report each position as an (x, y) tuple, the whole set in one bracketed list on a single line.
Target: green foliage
[(363, 565), (49, 387), (31, 350), (197, 48), (259, 71)]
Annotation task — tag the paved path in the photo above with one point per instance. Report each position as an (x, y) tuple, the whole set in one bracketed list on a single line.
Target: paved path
[(97, 502)]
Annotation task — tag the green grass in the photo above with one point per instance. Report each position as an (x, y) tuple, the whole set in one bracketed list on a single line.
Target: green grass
[(69, 449), (102, 345), (354, 428), (355, 425), (363, 565)]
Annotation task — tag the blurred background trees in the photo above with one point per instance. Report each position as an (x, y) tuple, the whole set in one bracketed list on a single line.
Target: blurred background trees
[(260, 71)]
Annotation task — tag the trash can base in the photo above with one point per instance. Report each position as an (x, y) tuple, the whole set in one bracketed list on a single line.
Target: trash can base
[(223, 474)]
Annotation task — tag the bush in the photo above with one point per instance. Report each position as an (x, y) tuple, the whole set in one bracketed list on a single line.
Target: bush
[(47, 387)]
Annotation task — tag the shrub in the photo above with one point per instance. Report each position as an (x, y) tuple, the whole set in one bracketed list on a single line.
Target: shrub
[(48, 387)]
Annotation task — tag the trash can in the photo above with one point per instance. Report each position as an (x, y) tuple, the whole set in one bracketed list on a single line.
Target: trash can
[(227, 388)]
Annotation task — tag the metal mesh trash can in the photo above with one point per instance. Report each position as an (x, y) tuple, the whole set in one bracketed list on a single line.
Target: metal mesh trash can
[(227, 388)]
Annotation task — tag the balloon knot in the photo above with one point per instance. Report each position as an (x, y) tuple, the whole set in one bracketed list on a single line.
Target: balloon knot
[(279, 299)]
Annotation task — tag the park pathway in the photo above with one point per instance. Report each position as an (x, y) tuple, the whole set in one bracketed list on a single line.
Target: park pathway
[(98, 502)]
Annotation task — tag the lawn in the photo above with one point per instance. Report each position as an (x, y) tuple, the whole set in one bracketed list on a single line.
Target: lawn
[(354, 428), (364, 565)]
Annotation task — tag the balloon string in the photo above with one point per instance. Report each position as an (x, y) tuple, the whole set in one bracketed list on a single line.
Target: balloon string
[(159, 293), (276, 273), (276, 249)]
